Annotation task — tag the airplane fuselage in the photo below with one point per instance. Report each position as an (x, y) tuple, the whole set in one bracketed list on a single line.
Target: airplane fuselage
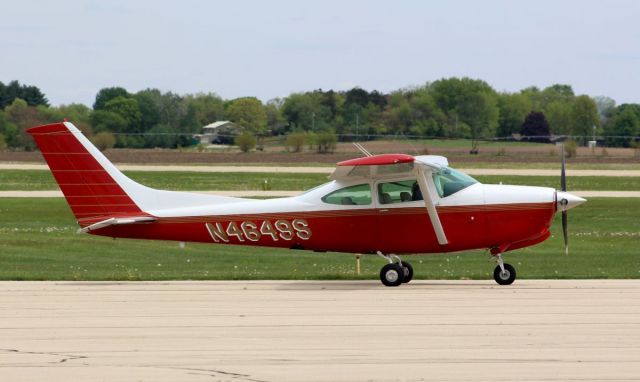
[(299, 223)]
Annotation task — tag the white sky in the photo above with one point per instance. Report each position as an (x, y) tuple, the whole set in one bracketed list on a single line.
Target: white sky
[(71, 49)]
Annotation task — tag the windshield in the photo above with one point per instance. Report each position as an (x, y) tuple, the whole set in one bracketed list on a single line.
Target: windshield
[(449, 181)]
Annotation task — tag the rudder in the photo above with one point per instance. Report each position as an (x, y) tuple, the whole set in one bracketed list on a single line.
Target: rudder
[(92, 193)]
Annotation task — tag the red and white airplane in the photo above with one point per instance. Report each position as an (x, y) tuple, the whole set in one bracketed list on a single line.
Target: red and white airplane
[(380, 204)]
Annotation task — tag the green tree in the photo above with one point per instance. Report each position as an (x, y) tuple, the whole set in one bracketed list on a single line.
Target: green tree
[(470, 102), (249, 113), (513, 110), (103, 120), (107, 94), (275, 120), (149, 112), (20, 116), (534, 95), (295, 141), (30, 94), (326, 141), (246, 141), (173, 109), (623, 126), (9, 131), (104, 140), (558, 114), (557, 92), (79, 114), (33, 96), (128, 109), (160, 136), (372, 121), (399, 114), (208, 108), (606, 108), (305, 111), (584, 116)]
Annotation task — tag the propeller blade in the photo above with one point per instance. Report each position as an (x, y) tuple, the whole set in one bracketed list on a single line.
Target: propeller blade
[(565, 232), (563, 176), (563, 187)]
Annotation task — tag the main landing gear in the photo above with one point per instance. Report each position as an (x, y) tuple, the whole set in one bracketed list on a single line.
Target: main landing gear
[(395, 273), (504, 274)]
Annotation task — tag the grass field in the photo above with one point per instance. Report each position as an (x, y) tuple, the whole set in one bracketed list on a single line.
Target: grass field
[(38, 242), (22, 180), (43, 180), (548, 165)]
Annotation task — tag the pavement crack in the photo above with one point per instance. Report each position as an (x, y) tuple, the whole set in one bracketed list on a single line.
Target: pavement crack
[(215, 373), (64, 357)]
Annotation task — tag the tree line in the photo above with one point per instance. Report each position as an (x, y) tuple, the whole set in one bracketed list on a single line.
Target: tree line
[(446, 108)]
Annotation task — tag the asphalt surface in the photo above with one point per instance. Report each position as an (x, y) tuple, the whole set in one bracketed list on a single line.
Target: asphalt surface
[(534, 330)]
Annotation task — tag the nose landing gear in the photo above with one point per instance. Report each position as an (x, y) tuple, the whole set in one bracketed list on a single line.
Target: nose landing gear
[(504, 274), (395, 273)]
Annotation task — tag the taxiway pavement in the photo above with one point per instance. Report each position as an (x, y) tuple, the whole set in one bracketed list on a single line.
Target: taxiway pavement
[(534, 330)]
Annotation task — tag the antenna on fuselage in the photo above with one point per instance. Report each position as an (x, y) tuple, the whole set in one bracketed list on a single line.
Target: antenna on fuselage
[(362, 149)]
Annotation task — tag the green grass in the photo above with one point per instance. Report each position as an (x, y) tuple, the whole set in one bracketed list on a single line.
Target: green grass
[(547, 165), (37, 180), (38, 242), (582, 183), (466, 143), (27, 180)]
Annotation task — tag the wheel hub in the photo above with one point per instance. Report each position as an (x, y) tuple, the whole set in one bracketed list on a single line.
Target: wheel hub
[(391, 276)]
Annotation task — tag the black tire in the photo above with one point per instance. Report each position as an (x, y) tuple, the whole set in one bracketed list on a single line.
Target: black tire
[(408, 272), (392, 275), (507, 278)]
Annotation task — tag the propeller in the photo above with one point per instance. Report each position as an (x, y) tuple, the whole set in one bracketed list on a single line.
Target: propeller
[(564, 202)]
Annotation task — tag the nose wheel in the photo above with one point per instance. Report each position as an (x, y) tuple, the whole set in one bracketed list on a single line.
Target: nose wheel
[(504, 274), (395, 273)]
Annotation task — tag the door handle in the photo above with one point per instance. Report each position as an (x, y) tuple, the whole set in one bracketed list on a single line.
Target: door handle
[(384, 210)]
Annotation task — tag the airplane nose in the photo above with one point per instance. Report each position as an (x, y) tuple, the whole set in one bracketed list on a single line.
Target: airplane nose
[(567, 200)]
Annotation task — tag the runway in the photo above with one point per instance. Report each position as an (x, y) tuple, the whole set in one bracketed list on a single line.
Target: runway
[(534, 330)]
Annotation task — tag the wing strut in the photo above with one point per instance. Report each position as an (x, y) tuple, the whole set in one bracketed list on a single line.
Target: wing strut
[(420, 172)]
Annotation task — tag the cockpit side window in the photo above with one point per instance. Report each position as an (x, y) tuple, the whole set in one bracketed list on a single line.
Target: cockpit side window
[(449, 181), (399, 191), (359, 195)]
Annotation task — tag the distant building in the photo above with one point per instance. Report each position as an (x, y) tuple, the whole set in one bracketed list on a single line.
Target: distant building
[(219, 132)]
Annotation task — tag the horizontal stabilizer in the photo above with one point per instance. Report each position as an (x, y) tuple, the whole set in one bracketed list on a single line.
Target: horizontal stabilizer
[(117, 221)]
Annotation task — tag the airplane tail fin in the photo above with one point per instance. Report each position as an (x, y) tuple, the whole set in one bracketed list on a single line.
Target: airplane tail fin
[(97, 191), (93, 187)]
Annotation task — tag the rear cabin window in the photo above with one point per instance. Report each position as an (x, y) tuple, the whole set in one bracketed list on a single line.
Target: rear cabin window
[(399, 192), (358, 195)]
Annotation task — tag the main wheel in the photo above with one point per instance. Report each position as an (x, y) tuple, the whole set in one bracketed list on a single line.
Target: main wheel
[(392, 275), (408, 272), (504, 278)]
